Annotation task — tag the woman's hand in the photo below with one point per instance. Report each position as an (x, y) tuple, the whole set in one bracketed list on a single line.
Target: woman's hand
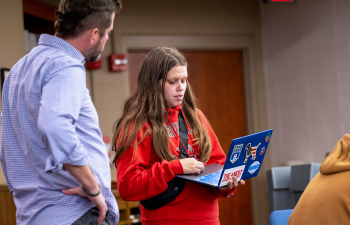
[(232, 184), (192, 166)]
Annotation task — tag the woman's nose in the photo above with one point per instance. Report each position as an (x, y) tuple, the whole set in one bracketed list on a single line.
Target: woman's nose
[(181, 86)]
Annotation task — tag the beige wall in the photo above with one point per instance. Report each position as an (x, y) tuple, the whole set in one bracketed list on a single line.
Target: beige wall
[(307, 69), (158, 17), (195, 18), (11, 35), (219, 19), (11, 39)]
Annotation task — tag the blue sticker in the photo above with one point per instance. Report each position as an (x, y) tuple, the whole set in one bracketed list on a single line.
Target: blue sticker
[(236, 152), (254, 167)]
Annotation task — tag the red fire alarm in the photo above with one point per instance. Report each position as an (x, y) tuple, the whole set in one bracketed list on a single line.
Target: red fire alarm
[(106, 139), (95, 65), (117, 62)]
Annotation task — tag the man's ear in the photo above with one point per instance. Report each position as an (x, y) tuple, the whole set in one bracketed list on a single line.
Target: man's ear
[(93, 36)]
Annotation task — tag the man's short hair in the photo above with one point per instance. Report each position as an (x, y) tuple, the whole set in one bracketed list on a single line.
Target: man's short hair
[(77, 16)]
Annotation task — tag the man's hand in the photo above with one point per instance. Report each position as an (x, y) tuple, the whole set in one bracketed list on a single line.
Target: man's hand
[(99, 201), (232, 184), (86, 178)]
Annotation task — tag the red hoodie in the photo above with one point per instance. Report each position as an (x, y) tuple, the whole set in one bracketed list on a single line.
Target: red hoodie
[(142, 175)]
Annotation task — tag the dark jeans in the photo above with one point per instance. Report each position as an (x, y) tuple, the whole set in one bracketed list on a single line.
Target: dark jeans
[(90, 218)]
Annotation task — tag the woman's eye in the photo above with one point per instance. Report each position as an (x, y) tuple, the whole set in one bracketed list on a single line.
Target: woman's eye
[(171, 82), (184, 81)]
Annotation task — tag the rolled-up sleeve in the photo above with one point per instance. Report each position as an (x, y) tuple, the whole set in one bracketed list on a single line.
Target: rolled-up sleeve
[(61, 101)]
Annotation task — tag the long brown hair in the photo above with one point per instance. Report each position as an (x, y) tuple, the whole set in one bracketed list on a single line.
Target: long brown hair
[(148, 105)]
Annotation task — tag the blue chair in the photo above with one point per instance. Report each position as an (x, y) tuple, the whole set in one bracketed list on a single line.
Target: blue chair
[(280, 217)]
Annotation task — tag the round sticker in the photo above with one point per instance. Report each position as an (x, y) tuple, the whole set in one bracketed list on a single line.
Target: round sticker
[(262, 150), (254, 167)]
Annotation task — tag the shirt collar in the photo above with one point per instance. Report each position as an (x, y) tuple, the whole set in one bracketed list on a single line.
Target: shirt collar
[(56, 42), (177, 108)]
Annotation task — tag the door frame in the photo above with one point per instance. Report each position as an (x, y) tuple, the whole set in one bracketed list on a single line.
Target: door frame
[(254, 83)]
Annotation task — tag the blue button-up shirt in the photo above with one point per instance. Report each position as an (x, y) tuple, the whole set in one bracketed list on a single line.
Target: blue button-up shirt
[(48, 119)]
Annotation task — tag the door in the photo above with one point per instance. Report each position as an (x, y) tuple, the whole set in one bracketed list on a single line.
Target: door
[(218, 82)]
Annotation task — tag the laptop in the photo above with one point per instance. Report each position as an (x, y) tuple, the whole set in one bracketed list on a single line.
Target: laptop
[(243, 160)]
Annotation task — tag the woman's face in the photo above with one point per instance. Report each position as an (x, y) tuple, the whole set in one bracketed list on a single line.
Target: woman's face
[(175, 85)]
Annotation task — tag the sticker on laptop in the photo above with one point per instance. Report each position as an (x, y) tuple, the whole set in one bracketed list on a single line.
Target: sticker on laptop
[(262, 150), (254, 167), (268, 136), (236, 153), (251, 151), (230, 173)]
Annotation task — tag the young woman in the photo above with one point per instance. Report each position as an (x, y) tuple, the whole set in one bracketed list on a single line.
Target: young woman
[(150, 150)]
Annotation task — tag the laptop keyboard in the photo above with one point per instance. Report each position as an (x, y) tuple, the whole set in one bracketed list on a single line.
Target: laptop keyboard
[(212, 178)]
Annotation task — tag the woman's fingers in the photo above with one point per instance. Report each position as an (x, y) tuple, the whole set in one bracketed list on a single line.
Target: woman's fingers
[(200, 166), (235, 183), (191, 165), (230, 185)]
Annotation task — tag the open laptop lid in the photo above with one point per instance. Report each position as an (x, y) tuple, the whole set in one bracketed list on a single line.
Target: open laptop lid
[(245, 157)]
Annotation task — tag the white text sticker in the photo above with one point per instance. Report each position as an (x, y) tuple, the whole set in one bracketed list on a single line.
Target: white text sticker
[(230, 173)]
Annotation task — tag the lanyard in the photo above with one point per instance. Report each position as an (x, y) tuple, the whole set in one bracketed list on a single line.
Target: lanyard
[(181, 117)]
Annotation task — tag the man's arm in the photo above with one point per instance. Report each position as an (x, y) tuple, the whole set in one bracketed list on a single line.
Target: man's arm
[(87, 179), (61, 100)]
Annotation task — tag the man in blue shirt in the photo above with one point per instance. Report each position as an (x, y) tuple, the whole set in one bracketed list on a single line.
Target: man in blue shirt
[(53, 157)]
